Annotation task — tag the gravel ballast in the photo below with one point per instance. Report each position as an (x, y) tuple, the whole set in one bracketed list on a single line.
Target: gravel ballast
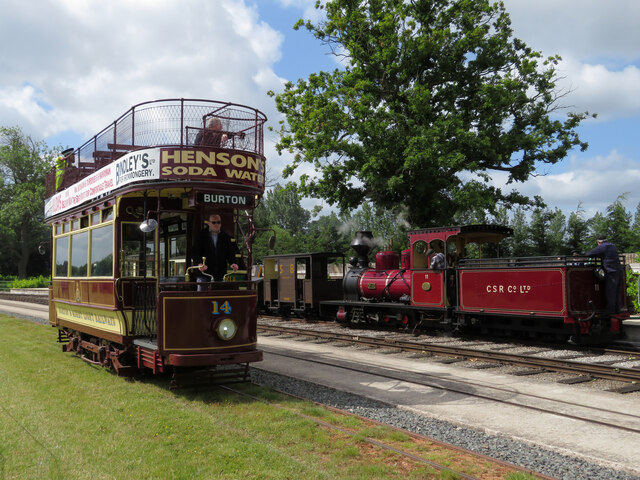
[(533, 457)]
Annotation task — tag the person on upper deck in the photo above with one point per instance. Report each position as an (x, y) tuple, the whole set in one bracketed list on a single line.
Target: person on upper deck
[(612, 272), (212, 135)]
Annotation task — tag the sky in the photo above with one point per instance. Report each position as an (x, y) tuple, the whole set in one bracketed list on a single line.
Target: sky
[(68, 68)]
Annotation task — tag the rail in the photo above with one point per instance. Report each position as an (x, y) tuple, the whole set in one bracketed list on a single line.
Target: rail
[(628, 375)]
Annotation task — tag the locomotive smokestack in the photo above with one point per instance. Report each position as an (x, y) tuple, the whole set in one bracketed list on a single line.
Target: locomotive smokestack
[(362, 244)]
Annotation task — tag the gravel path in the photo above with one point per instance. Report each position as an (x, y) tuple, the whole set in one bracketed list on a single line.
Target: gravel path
[(547, 462)]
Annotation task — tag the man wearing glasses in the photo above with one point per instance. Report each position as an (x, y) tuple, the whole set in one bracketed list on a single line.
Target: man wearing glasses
[(217, 247)]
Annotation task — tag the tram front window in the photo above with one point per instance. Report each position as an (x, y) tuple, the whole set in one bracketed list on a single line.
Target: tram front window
[(138, 252), (173, 245)]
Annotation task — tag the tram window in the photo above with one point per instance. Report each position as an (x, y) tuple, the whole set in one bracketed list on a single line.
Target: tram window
[(58, 229), (107, 214), (84, 222), (173, 245), (62, 257), (133, 246), (75, 224), (95, 218), (65, 227), (102, 251), (79, 254)]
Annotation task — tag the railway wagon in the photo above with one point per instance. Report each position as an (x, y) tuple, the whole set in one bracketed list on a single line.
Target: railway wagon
[(297, 283), (435, 283), (125, 209)]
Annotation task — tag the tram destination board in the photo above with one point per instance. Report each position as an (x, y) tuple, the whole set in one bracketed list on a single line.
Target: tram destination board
[(226, 199)]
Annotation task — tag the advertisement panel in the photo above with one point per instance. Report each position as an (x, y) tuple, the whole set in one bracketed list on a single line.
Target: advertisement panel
[(215, 164), (137, 166), (181, 164)]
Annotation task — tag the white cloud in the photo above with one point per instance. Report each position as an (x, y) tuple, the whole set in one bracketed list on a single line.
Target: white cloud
[(586, 29), (609, 93), (595, 182), (600, 46), (76, 65), (91, 61)]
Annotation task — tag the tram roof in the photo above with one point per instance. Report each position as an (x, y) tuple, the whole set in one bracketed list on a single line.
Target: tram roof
[(477, 230)]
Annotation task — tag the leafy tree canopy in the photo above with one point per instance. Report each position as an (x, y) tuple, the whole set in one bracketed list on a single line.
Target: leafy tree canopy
[(435, 96), (23, 166)]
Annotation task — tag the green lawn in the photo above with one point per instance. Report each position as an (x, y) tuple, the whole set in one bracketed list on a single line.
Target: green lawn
[(61, 418)]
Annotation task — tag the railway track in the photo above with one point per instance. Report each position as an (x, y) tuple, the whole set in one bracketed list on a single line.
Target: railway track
[(445, 395), (592, 423), (584, 371), (440, 467)]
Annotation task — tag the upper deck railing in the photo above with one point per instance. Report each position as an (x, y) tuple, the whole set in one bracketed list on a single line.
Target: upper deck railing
[(161, 123)]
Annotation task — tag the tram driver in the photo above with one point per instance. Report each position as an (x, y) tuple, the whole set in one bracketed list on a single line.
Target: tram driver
[(217, 247)]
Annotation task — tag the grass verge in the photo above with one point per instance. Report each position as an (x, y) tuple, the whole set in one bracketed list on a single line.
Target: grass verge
[(61, 418)]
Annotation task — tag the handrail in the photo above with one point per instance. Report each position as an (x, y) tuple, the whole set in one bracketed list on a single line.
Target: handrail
[(160, 123)]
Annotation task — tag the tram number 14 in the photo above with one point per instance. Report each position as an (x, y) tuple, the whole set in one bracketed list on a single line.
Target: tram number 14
[(219, 308)]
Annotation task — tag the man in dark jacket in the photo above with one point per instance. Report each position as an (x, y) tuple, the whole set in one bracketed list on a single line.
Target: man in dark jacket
[(212, 135), (612, 272), (217, 247)]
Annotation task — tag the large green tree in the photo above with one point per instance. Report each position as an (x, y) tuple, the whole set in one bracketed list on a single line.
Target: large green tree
[(577, 231), (619, 230), (24, 163), (434, 97)]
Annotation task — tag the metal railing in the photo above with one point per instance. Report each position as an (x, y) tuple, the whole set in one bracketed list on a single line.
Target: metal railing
[(535, 262), (145, 307), (166, 123)]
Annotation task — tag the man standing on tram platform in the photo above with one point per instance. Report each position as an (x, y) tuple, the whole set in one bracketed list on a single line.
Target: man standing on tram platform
[(612, 272), (217, 247)]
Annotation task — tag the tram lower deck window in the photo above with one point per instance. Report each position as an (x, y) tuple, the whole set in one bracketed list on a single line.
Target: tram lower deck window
[(79, 254), (102, 251), (62, 257)]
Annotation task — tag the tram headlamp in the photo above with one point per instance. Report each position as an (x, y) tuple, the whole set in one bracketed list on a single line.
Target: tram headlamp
[(227, 329)]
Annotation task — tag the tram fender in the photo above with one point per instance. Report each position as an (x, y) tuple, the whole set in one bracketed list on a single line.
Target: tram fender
[(198, 360)]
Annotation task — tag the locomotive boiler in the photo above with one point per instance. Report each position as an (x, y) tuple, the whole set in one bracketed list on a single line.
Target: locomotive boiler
[(384, 282)]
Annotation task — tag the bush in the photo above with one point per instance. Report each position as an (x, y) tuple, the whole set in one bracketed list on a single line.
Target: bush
[(632, 291), (33, 282)]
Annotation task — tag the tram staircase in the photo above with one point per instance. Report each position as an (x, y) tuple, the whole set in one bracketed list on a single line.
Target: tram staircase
[(144, 326)]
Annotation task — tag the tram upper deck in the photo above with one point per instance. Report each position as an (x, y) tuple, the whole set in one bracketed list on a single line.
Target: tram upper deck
[(163, 141)]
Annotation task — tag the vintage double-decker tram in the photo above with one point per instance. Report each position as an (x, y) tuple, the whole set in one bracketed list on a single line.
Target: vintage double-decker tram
[(125, 210)]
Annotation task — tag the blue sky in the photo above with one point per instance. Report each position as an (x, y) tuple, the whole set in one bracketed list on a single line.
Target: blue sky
[(70, 67)]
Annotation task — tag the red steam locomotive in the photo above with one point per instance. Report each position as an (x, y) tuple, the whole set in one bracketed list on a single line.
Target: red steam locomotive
[(434, 284)]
